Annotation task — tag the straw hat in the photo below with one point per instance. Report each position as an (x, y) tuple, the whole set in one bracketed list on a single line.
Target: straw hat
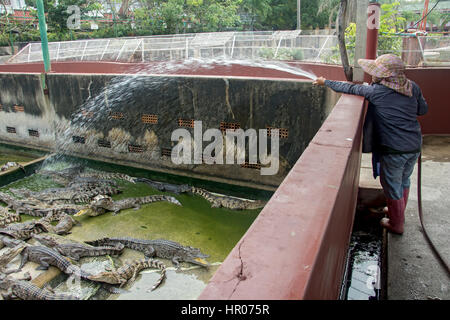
[(386, 66)]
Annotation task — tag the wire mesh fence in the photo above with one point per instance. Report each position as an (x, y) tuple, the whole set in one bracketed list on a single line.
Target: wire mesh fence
[(277, 45)]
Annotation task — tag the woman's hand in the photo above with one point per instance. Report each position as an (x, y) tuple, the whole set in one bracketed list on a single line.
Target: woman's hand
[(320, 81)]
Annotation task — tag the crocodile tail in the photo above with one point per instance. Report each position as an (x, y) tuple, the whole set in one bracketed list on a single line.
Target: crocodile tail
[(99, 242), (159, 265)]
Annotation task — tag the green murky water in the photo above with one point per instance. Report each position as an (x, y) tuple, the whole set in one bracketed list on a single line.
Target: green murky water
[(214, 231), (19, 155)]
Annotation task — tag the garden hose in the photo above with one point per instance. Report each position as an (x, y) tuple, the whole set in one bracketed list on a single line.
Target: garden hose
[(425, 233)]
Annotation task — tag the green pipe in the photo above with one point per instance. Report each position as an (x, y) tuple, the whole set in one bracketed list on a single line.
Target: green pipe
[(43, 32)]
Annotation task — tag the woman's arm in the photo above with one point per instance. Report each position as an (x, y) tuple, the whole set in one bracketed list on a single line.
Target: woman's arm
[(344, 87)]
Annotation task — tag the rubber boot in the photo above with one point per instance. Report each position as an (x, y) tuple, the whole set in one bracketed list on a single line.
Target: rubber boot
[(396, 213), (405, 196)]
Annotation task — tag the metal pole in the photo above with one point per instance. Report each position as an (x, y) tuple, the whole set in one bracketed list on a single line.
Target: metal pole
[(373, 26), (299, 15), (43, 32)]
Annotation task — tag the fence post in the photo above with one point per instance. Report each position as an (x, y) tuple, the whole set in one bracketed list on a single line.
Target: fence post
[(43, 32)]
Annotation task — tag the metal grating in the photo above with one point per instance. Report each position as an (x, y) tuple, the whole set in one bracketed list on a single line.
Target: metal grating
[(78, 139), (19, 109), (284, 133), (33, 133), (10, 129), (224, 126), (182, 123), (117, 115), (104, 143), (150, 118), (251, 165), (166, 152), (135, 148)]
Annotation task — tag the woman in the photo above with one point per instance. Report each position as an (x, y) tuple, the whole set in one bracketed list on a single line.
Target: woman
[(394, 104)]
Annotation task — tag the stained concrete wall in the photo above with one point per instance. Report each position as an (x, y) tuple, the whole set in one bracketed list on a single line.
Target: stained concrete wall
[(84, 105)]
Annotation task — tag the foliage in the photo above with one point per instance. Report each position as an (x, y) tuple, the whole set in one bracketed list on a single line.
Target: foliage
[(282, 54), (391, 22)]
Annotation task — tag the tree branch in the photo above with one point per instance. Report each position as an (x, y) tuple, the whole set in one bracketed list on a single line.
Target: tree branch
[(341, 37)]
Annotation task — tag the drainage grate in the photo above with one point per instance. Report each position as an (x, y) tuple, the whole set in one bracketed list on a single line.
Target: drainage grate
[(78, 139), (186, 123), (135, 148), (117, 115), (251, 165), (166, 152), (284, 133), (19, 109), (10, 129), (150, 118), (104, 143), (33, 133), (224, 126)]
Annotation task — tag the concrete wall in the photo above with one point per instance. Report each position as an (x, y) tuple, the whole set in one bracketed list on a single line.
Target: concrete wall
[(296, 248), (84, 105)]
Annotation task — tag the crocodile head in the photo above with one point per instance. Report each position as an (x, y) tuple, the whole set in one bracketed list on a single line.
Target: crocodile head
[(10, 254), (99, 205), (195, 256), (46, 240), (108, 277)]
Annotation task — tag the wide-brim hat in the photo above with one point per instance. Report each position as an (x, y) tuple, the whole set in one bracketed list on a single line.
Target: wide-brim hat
[(385, 66)]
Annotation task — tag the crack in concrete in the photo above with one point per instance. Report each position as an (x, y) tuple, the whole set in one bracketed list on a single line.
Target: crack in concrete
[(240, 276)]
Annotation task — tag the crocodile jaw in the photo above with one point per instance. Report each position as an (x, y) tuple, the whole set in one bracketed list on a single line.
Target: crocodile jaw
[(200, 262)]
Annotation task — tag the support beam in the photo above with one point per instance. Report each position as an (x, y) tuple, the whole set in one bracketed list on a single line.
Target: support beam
[(361, 38), (299, 14)]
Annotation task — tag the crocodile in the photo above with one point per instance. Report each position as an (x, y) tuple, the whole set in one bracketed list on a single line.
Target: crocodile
[(47, 257), (37, 208), (7, 217), (159, 248), (65, 224), (26, 290), (8, 255), (75, 194), (9, 165), (67, 174), (76, 251), (7, 241), (103, 204), (165, 187), (25, 230), (107, 176), (129, 271), (218, 201)]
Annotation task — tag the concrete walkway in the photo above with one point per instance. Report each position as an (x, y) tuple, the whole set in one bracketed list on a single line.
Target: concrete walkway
[(413, 271)]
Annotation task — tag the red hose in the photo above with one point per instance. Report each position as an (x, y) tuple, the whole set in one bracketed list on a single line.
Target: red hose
[(419, 199)]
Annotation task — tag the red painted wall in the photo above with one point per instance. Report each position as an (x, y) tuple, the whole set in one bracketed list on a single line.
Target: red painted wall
[(235, 70), (434, 83), (296, 248)]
